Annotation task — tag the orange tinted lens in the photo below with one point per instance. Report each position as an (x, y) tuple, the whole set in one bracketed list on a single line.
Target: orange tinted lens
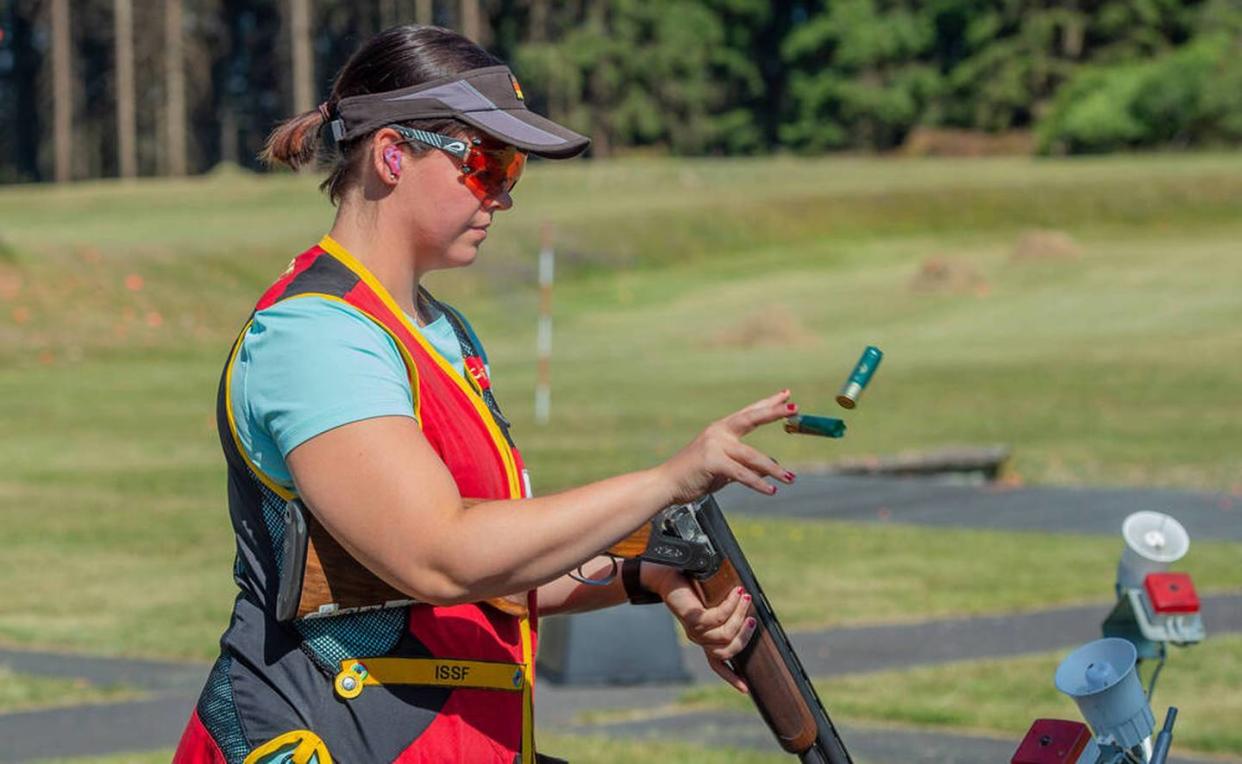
[(493, 173)]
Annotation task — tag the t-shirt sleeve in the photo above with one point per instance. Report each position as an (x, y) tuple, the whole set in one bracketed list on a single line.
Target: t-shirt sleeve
[(309, 365)]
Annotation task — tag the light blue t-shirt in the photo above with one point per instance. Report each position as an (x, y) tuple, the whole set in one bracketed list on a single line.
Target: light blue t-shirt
[(307, 365)]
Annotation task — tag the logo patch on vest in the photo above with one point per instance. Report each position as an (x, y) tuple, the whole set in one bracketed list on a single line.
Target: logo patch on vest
[(478, 371)]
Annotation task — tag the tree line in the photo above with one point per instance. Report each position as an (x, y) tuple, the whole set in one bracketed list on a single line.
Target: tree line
[(99, 88)]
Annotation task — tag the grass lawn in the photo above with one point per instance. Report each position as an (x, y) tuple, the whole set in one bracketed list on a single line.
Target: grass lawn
[(686, 289), (834, 573), (1003, 696), (24, 692)]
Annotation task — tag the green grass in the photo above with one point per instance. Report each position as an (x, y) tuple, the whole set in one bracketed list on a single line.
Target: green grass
[(24, 692), (603, 750), (1003, 696), (687, 289), (834, 573)]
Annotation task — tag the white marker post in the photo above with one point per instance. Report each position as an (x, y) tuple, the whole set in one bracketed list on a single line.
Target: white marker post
[(543, 380)]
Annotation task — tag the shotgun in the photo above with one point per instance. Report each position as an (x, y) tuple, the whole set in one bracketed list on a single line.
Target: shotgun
[(319, 578)]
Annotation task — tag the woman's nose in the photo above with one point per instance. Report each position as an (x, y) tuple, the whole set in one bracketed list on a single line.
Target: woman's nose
[(499, 202)]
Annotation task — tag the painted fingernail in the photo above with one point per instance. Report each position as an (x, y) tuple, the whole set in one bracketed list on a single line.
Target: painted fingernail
[(750, 624), (745, 598), (771, 489), (791, 407), (790, 476), (740, 590)]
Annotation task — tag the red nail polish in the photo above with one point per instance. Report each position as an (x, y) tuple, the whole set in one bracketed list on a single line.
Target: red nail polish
[(740, 590), (745, 598), (750, 623), (791, 407), (771, 489), (790, 476)]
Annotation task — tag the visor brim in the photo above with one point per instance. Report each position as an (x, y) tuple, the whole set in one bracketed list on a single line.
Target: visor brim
[(528, 132)]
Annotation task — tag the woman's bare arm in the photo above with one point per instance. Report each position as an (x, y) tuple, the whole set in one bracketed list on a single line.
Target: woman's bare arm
[(383, 493)]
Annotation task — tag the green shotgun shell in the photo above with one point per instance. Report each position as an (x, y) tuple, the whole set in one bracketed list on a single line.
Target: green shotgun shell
[(860, 376), (805, 424)]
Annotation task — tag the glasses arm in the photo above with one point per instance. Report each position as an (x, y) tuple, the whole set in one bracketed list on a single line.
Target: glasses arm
[(458, 147)]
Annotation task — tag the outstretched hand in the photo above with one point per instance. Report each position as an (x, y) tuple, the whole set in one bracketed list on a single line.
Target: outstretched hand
[(718, 456)]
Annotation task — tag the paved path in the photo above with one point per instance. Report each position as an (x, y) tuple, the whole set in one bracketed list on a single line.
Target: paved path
[(158, 720), (952, 502), (867, 745)]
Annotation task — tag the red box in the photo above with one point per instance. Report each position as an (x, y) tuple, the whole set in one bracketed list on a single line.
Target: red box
[(1171, 593), (1053, 741)]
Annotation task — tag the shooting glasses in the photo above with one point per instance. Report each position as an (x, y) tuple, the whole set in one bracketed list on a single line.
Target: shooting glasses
[(487, 172)]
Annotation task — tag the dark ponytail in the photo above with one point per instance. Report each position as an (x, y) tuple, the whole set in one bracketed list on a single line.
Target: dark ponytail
[(396, 58), (294, 141)]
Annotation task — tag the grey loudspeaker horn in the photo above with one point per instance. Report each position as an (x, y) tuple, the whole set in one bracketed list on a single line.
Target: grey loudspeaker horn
[(1153, 541), (1101, 678)]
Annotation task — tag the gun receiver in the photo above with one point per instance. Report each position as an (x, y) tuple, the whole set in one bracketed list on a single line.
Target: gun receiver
[(697, 539)]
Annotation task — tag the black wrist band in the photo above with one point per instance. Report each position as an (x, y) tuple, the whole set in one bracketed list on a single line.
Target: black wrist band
[(634, 589)]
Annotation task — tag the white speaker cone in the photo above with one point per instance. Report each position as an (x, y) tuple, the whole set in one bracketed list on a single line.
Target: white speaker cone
[(1153, 541)]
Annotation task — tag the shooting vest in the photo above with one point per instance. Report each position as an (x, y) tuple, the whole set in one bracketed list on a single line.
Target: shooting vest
[(413, 684)]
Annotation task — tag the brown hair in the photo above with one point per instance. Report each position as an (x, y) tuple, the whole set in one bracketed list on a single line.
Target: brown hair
[(396, 58)]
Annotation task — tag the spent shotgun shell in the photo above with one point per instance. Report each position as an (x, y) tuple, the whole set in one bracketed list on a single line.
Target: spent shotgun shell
[(859, 377), (805, 424)]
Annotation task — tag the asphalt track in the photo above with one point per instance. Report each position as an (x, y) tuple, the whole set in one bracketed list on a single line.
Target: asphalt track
[(155, 721), (954, 502)]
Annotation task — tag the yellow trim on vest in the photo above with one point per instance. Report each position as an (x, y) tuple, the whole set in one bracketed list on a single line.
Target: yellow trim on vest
[(528, 693), (263, 477), (434, 672), (268, 480), (334, 248), (304, 744)]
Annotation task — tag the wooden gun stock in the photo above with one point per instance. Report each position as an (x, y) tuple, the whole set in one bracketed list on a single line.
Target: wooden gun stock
[(332, 582), (632, 545)]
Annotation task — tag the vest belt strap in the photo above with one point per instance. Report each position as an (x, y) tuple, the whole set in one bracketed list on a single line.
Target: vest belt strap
[(435, 672)]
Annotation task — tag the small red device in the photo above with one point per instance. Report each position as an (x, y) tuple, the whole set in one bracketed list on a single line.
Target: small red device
[(1171, 593), (1053, 741)]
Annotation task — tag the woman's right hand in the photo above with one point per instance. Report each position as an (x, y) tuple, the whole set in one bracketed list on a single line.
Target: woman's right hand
[(718, 456)]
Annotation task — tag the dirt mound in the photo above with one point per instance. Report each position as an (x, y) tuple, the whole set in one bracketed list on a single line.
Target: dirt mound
[(774, 327), (942, 274), (1045, 245), (935, 142), (11, 283)]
